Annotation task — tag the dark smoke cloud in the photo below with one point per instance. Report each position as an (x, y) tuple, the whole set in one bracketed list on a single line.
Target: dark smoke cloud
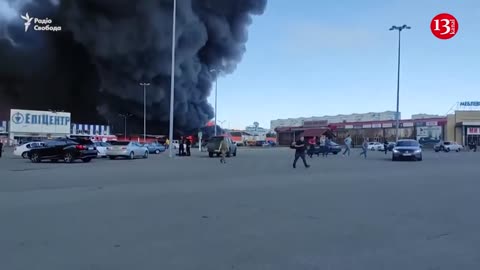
[(93, 67)]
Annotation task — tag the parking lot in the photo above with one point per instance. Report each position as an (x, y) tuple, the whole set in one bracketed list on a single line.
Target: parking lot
[(255, 212)]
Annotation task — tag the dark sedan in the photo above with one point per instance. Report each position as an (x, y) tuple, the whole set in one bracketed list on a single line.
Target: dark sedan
[(407, 149), (65, 149), (320, 149)]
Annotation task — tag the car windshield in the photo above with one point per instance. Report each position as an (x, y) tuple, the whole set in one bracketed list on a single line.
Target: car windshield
[(407, 143), (119, 143)]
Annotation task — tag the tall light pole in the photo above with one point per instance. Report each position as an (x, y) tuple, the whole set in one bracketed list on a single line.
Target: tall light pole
[(216, 88), (125, 116), (172, 79), (399, 28), (144, 84)]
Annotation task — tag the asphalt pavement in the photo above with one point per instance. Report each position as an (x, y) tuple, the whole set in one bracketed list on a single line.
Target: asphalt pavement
[(254, 212)]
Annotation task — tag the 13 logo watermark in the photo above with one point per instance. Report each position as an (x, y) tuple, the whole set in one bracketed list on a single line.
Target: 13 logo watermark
[(39, 24)]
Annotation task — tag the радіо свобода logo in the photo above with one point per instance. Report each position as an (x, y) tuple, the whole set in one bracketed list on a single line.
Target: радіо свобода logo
[(39, 24)]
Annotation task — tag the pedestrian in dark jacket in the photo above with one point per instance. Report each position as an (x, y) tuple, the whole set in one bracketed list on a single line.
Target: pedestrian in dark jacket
[(181, 147), (300, 147), (188, 143), (385, 146), (1, 149)]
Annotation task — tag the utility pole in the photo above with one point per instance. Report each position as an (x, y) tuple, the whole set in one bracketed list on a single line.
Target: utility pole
[(399, 28), (144, 84)]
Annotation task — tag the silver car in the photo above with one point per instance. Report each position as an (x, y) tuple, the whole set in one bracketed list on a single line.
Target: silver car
[(128, 150)]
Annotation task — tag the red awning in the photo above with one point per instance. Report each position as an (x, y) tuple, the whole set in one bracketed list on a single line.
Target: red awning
[(314, 132)]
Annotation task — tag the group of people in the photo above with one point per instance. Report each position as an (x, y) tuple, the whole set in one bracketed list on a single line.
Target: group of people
[(300, 147), (184, 147)]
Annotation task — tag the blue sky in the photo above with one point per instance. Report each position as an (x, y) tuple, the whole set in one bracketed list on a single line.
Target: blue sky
[(337, 57)]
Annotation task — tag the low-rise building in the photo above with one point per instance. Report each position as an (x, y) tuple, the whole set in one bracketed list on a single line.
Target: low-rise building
[(341, 118)]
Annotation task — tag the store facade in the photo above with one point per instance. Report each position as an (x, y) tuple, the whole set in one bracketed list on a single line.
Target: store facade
[(464, 127), (427, 131), (26, 125)]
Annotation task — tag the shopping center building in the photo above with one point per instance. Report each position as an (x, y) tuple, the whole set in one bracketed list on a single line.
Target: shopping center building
[(463, 126), (27, 125)]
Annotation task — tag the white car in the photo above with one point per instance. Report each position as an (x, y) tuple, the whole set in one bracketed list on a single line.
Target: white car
[(22, 150), (102, 148), (452, 146), (376, 146)]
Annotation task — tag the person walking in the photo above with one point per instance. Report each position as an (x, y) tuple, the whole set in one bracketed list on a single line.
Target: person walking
[(299, 147), (364, 148), (167, 143), (385, 146), (1, 149), (348, 144), (223, 149)]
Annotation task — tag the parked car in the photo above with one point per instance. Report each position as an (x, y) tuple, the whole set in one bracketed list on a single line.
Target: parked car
[(155, 148), (448, 146), (376, 146), (214, 144), (102, 148), (22, 150), (66, 149), (407, 149), (320, 149), (126, 149)]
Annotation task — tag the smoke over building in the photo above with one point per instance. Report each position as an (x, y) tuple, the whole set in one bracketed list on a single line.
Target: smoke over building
[(93, 67)]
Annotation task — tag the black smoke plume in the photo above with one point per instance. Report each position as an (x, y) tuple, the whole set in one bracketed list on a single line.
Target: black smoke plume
[(93, 67)]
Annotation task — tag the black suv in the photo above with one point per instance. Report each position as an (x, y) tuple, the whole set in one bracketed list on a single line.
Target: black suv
[(65, 149)]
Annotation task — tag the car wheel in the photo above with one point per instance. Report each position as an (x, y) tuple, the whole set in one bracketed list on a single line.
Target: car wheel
[(458, 150), (111, 157), (86, 160), (420, 158), (145, 155), (25, 155), (68, 158), (447, 150), (210, 154), (131, 156), (436, 150), (157, 151), (394, 158), (35, 158), (218, 154)]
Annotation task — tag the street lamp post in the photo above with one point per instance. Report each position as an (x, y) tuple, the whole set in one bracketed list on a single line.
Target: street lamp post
[(399, 28), (125, 116), (172, 78), (144, 110)]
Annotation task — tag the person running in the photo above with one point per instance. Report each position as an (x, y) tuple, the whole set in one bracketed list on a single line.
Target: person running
[(299, 147), (223, 148), (364, 148), (326, 150), (348, 144)]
